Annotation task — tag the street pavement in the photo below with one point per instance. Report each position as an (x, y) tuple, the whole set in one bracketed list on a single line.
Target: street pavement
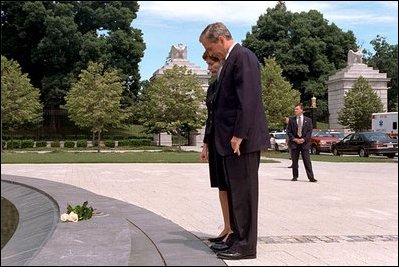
[(349, 217)]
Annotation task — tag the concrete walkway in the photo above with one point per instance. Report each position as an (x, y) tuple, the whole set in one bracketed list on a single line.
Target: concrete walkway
[(350, 217)]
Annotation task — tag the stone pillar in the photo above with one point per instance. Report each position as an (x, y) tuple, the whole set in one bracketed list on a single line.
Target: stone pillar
[(342, 81)]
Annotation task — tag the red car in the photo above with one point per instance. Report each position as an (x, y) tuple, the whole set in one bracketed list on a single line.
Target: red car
[(322, 140)]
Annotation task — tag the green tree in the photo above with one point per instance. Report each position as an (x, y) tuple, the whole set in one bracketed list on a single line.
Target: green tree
[(305, 45), (385, 60), (94, 100), (20, 101), (54, 40), (173, 103), (278, 96), (359, 104)]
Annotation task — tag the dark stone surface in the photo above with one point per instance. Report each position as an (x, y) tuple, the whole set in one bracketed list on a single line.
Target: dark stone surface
[(123, 234)]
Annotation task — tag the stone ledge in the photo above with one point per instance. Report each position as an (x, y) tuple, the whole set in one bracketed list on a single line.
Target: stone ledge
[(124, 235)]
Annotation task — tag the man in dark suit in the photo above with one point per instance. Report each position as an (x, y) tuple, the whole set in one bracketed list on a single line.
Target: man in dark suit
[(240, 133), (299, 132)]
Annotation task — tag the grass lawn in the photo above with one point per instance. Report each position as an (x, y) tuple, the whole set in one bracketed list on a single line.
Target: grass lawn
[(157, 155), (102, 157)]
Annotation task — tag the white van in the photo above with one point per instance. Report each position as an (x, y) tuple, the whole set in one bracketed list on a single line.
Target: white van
[(385, 122)]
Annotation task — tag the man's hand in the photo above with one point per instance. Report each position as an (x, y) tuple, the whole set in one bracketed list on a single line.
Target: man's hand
[(235, 144), (299, 140)]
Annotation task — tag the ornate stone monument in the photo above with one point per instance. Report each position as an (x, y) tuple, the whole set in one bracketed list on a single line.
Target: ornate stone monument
[(342, 81), (178, 56)]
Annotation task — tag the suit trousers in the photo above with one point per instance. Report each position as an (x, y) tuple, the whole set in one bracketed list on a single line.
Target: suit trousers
[(241, 174), (295, 152)]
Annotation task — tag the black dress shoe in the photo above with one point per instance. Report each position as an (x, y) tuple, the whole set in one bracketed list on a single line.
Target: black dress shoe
[(313, 180), (218, 247), (217, 239), (294, 179), (289, 166), (234, 255)]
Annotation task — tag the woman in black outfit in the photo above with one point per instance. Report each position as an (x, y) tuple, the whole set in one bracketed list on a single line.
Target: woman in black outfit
[(216, 172)]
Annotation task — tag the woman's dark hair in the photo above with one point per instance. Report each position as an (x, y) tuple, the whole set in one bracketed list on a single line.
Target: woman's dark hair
[(206, 56)]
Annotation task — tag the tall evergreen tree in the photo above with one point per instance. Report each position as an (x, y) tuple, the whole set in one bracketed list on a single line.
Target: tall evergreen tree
[(173, 103), (20, 102), (279, 98), (359, 104), (94, 100)]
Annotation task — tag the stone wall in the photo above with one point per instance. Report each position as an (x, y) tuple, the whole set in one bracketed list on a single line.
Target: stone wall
[(341, 82)]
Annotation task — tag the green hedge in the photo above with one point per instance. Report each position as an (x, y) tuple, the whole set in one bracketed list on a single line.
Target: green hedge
[(27, 143), (69, 144), (123, 143), (14, 144), (109, 143), (139, 142), (41, 143), (81, 143)]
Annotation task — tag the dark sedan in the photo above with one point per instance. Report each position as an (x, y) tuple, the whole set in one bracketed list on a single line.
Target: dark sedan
[(366, 143)]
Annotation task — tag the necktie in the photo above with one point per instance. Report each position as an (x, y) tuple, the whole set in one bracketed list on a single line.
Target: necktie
[(219, 70), (299, 127)]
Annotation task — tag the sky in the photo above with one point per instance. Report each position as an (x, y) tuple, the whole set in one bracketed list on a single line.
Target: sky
[(167, 23)]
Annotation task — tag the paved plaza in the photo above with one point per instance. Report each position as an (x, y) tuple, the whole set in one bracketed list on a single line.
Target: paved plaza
[(349, 217)]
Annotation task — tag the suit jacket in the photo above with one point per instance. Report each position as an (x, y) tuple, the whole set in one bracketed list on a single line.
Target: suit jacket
[(238, 107), (292, 131)]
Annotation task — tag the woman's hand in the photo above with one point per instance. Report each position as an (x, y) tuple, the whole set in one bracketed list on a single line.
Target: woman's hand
[(204, 152)]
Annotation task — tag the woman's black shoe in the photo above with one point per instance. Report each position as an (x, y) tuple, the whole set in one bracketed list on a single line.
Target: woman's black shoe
[(216, 239)]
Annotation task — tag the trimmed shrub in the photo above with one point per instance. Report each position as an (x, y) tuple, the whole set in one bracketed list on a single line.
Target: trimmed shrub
[(55, 144), (122, 143), (69, 144), (139, 142), (81, 143), (41, 143), (27, 143), (109, 143), (14, 144)]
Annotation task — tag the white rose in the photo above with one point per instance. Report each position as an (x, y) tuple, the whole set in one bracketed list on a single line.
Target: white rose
[(64, 217), (73, 217)]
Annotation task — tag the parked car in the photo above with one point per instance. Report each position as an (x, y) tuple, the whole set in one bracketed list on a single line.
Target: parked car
[(338, 134), (366, 143), (278, 141), (322, 140)]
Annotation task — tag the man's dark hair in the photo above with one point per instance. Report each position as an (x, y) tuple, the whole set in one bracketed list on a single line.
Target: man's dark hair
[(213, 31), (299, 105)]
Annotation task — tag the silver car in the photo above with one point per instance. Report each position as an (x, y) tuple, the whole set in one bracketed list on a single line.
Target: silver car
[(278, 141)]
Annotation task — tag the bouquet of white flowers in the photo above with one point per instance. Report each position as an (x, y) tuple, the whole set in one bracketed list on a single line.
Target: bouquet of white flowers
[(77, 213)]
